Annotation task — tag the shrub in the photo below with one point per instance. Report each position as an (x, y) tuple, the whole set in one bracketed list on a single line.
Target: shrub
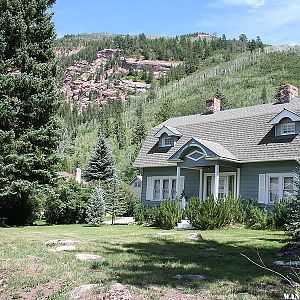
[(258, 218), (20, 206), (211, 213), (145, 214), (168, 214), (129, 199), (66, 203), (280, 213), (293, 219), (95, 211)]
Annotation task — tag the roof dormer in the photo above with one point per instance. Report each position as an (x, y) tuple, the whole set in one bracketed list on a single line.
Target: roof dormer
[(168, 136), (285, 123)]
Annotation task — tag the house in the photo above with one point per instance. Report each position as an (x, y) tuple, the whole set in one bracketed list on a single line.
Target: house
[(136, 186), (248, 152)]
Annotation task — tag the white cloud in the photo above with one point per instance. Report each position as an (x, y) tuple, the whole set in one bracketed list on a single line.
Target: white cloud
[(252, 3)]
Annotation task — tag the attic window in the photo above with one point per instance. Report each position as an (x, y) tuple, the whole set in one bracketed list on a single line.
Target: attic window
[(166, 141), (288, 128)]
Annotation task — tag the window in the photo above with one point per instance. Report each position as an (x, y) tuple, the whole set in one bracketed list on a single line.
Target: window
[(287, 128), (279, 186), (164, 188), (166, 141), (227, 184), (137, 184), (195, 155)]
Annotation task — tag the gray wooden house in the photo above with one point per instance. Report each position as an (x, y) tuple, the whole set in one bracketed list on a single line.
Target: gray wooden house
[(248, 152)]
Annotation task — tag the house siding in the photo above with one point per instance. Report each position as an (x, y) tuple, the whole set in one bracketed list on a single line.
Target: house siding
[(250, 172)]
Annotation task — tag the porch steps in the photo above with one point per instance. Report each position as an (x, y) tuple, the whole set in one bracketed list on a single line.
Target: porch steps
[(184, 225)]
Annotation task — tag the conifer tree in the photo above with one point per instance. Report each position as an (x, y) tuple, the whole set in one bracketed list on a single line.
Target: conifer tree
[(95, 211), (101, 164), (28, 103)]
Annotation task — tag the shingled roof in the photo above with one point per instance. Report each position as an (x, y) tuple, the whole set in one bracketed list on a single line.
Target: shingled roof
[(245, 132)]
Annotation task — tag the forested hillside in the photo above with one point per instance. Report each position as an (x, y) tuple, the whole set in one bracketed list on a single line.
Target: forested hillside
[(243, 76)]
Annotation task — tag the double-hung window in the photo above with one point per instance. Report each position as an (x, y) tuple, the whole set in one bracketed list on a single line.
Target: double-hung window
[(164, 188), (279, 186)]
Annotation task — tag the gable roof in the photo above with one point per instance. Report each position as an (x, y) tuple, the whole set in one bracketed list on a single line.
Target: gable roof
[(244, 132), (168, 130), (285, 113)]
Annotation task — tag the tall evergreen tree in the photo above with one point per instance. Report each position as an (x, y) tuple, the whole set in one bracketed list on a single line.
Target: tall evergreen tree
[(28, 103), (100, 165)]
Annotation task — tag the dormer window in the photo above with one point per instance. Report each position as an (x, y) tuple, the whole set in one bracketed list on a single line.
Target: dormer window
[(288, 128), (166, 141)]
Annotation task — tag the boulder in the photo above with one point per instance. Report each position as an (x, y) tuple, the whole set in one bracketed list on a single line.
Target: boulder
[(60, 242), (117, 292), (89, 257), (64, 249), (196, 277), (82, 291), (194, 236)]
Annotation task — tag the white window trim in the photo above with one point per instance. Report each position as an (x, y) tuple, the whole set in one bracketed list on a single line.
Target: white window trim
[(280, 176), (222, 174), (163, 140), (288, 133), (195, 159), (161, 178)]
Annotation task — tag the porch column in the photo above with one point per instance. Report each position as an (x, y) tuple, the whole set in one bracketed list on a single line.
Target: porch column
[(238, 181), (217, 176), (201, 184), (178, 182)]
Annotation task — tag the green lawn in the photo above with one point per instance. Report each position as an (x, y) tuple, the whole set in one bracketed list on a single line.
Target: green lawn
[(141, 260)]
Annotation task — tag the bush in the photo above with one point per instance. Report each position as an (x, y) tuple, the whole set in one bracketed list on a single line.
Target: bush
[(95, 211), (129, 199), (280, 213), (168, 214), (66, 203), (258, 218), (293, 219), (145, 214), (211, 213), (20, 206)]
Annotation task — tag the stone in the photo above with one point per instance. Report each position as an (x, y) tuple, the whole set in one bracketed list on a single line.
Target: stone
[(81, 291), (164, 233), (196, 277), (89, 257), (292, 263), (64, 249), (60, 242), (194, 236), (117, 292)]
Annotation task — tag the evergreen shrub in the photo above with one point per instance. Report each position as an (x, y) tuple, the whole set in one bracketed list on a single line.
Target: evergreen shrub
[(169, 213), (66, 203)]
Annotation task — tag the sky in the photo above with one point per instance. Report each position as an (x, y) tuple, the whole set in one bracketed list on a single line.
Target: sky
[(275, 21)]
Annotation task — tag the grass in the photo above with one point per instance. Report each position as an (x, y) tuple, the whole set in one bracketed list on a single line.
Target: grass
[(137, 257)]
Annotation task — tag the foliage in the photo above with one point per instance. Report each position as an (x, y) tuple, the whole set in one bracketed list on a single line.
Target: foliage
[(95, 211), (144, 214), (114, 199), (293, 220), (168, 214), (211, 213), (100, 165), (280, 213), (29, 99), (66, 203), (258, 218), (129, 199)]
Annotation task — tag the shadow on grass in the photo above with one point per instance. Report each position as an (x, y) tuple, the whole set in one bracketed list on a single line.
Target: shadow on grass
[(157, 261)]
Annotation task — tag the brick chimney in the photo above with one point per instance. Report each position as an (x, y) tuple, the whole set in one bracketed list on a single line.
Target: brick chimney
[(213, 105), (286, 92)]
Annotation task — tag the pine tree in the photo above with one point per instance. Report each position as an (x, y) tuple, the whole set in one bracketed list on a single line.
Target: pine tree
[(29, 99), (95, 211), (101, 164), (115, 201)]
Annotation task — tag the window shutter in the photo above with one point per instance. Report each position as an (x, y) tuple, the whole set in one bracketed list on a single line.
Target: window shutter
[(261, 188), (149, 189), (181, 185)]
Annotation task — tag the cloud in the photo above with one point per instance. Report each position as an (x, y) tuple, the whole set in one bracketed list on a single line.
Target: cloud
[(252, 3)]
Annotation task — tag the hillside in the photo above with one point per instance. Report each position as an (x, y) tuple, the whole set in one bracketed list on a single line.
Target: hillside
[(241, 80)]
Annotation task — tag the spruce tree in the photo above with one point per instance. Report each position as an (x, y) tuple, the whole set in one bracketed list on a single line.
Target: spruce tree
[(28, 103), (101, 164), (95, 211)]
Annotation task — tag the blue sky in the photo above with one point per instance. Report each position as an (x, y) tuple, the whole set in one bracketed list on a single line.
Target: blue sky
[(276, 21)]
